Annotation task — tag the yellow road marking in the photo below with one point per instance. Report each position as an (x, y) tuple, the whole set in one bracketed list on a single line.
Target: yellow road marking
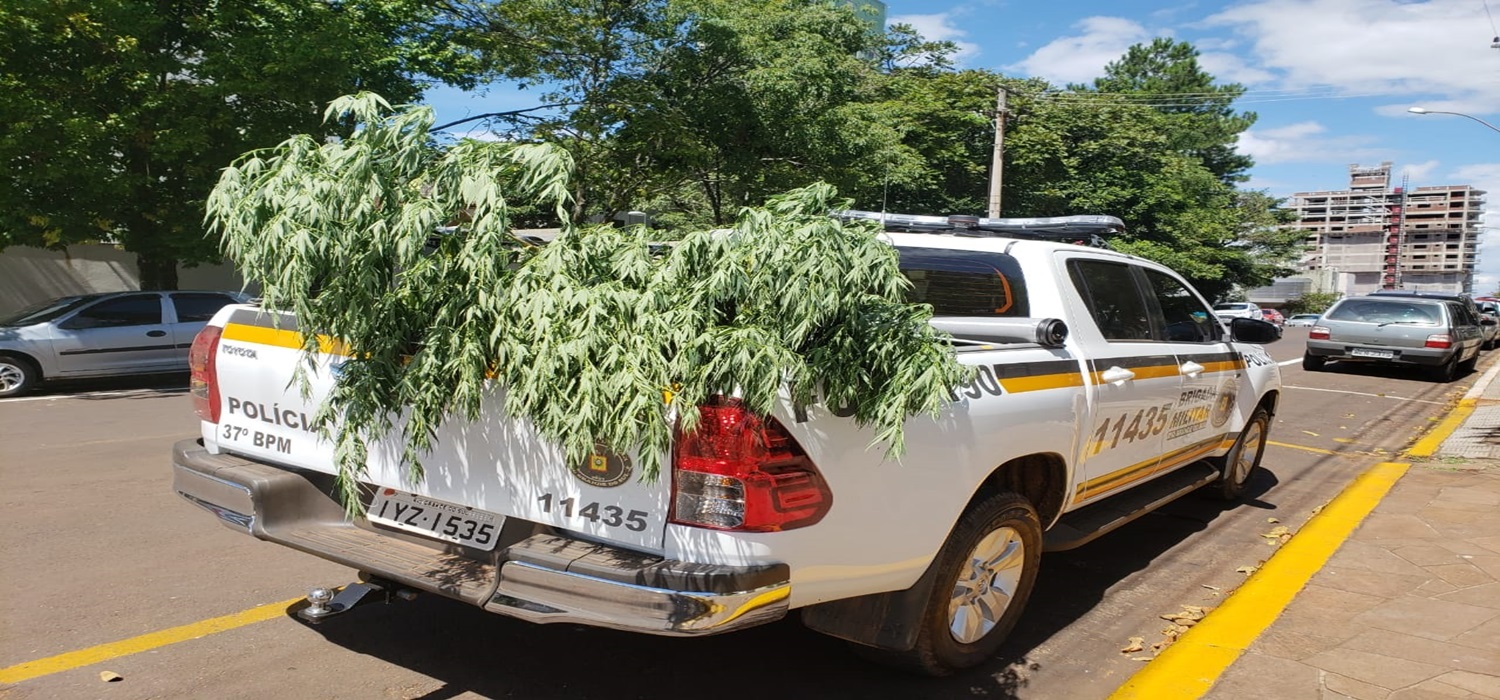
[(1189, 668), (1304, 448), (1430, 442), (146, 642)]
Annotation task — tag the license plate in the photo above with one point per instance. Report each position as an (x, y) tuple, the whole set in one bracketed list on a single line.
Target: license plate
[(1378, 354), (448, 522)]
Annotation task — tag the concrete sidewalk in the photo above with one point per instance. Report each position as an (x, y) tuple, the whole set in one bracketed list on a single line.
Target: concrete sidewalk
[(1408, 608)]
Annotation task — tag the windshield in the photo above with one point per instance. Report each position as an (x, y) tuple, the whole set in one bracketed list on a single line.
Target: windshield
[(45, 311)]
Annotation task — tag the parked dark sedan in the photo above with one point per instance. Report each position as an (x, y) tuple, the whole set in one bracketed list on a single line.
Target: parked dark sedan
[(1442, 335), (96, 335)]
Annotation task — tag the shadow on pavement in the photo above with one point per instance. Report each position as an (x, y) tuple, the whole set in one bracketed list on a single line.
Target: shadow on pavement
[(149, 384), (493, 656)]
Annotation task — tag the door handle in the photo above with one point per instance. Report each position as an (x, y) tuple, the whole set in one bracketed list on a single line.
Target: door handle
[(155, 334), (1117, 375), (1191, 369)]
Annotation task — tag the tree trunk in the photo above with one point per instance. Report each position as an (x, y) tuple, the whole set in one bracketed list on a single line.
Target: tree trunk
[(157, 272)]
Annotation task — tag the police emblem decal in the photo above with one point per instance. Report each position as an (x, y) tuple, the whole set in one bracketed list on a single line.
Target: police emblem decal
[(604, 469)]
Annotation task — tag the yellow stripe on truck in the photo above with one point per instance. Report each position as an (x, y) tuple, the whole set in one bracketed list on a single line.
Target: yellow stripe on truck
[(280, 338)]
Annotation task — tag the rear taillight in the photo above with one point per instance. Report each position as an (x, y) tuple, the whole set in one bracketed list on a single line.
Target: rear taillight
[(742, 471), (1439, 340), (1317, 333), (204, 384)]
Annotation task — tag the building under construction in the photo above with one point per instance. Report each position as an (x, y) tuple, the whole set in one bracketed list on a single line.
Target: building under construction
[(1374, 236)]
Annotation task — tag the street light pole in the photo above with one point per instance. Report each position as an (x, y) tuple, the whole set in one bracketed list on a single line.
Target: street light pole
[(1419, 110)]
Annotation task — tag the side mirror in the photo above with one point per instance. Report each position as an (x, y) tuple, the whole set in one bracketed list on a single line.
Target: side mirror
[(1488, 322), (1253, 330)]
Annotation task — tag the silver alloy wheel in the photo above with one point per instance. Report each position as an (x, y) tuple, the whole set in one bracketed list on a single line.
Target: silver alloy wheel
[(985, 587), (1244, 458), (12, 376)]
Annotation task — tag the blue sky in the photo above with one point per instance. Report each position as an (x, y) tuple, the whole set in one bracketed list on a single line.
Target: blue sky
[(1331, 80)]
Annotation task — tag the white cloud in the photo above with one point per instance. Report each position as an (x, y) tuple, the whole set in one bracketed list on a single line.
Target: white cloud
[(1081, 58), (940, 27), (1308, 142), (1386, 47), (1230, 68), (1420, 173)]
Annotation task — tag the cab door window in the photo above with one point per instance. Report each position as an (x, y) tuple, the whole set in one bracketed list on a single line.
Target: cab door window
[(1185, 318), (137, 310)]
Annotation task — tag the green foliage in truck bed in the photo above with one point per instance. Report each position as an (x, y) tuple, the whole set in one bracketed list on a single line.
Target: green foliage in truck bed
[(598, 338)]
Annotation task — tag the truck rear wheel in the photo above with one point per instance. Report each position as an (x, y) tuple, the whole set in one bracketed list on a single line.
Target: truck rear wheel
[(985, 573)]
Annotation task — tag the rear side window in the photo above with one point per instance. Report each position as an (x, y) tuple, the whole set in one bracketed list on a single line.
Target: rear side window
[(965, 283), (1413, 313), (1113, 298), (195, 307)]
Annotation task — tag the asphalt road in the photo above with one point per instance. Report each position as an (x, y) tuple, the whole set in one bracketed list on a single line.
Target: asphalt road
[(95, 548)]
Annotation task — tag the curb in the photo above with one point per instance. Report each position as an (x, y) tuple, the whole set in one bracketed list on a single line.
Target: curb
[(1191, 666), (1430, 443)]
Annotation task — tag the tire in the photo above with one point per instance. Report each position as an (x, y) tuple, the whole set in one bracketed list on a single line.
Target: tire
[(1446, 372), (997, 541), (1244, 458), (1468, 365), (1313, 363), (17, 376)]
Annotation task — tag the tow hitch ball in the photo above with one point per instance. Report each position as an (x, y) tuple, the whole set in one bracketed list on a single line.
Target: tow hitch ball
[(323, 603)]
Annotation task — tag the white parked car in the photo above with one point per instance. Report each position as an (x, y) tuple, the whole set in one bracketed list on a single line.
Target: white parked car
[(1236, 309), (1303, 320)]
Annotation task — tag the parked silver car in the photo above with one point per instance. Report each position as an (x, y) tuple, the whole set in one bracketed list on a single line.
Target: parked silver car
[(94, 335), (1442, 335)]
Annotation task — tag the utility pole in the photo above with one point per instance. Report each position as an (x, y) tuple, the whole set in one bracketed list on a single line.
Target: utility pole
[(999, 159)]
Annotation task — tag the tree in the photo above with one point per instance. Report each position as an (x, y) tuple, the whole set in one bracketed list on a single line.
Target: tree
[(596, 337), (1312, 303), (118, 114), (696, 107), (1115, 157), (1165, 75)]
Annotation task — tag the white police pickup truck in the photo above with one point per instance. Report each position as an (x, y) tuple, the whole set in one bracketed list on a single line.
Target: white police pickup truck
[(1106, 387)]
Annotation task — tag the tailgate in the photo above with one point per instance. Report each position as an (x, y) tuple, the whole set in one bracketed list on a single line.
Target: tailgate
[(494, 464)]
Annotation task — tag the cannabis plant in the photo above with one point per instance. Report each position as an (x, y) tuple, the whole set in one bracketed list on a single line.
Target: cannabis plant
[(399, 253)]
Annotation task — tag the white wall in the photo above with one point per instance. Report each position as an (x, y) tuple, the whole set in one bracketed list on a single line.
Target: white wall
[(31, 275)]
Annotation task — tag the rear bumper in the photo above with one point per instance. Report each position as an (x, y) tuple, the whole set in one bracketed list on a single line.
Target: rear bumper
[(1336, 350), (534, 574)]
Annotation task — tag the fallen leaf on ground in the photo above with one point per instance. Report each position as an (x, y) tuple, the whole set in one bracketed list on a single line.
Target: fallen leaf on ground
[(110, 676), (1140, 658), (1277, 535), (1136, 644), (1211, 588), (1247, 570), (1187, 617), (1344, 440), (1309, 432), (1272, 520)]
